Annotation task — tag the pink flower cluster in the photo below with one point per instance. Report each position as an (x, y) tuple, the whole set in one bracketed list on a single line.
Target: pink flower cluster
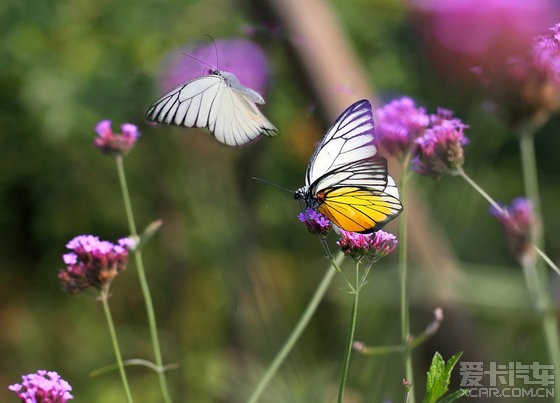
[(375, 245), (517, 220), (435, 141), (315, 222), (400, 122), (440, 148), (42, 387), (92, 262), (116, 143)]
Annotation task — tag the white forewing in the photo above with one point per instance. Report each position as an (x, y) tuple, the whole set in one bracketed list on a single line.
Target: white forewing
[(218, 102), (370, 173), (350, 139)]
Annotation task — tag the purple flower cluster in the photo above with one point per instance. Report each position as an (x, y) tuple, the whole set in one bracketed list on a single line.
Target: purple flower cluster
[(546, 54), (527, 87), (400, 122), (116, 143), (517, 220), (315, 222), (42, 387), (375, 245), (92, 262), (436, 141), (440, 148)]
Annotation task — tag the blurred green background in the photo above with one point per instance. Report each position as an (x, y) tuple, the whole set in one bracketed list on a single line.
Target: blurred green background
[(232, 269)]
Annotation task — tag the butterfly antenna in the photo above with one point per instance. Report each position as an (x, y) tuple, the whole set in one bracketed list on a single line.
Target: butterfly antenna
[(215, 50), (273, 184), (199, 60)]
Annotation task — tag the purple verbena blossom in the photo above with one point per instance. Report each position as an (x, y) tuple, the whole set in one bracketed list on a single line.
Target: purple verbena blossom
[(400, 122), (374, 245), (546, 54), (92, 262), (440, 148), (116, 143), (517, 220), (42, 387), (315, 222)]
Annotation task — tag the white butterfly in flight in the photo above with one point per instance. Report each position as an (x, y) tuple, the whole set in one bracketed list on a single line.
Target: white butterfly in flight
[(217, 101), (346, 180)]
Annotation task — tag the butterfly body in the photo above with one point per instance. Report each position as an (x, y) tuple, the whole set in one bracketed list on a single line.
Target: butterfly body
[(346, 180), (217, 101)]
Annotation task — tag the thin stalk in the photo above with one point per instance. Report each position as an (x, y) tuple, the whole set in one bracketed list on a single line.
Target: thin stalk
[(350, 340), (530, 179), (481, 191), (403, 280), (460, 172), (546, 304), (143, 282), (103, 296), (545, 257), (538, 291), (411, 343), (298, 329)]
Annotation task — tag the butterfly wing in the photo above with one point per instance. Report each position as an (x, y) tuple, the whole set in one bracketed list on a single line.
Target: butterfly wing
[(209, 101), (350, 138), (347, 177), (238, 120), (358, 209)]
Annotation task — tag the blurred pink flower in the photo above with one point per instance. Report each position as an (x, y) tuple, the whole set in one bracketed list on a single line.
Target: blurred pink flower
[(245, 59), (461, 34), (517, 220), (116, 143)]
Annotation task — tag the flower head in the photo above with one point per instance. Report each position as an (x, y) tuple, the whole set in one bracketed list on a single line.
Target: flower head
[(517, 220), (245, 59), (375, 245), (42, 387), (546, 54), (116, 143), (400, 122), (440, 148), (92, 262), (527, 85), (315, 222), (459, 34)]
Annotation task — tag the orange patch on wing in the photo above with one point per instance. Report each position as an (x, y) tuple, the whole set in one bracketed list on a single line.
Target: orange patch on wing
[(358, 210)]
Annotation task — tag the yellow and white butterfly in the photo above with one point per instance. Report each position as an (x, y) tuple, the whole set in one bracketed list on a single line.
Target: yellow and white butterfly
[(346, 180), (217, 101)]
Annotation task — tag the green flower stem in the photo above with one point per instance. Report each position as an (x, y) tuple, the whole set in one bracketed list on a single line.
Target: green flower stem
[(538, 290), (298, 329), (411, 343), (460, 172), (481, 191), (103, 296), (531, 183), (545, 257), (530, 178), (143, 282), (349, 342), (403, 280)]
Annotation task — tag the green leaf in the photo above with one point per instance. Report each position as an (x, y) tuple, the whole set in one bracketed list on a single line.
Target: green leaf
[(439, 374), (454, 396)]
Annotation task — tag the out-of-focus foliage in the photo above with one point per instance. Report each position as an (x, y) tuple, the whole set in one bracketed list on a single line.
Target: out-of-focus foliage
[(231, 268)]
